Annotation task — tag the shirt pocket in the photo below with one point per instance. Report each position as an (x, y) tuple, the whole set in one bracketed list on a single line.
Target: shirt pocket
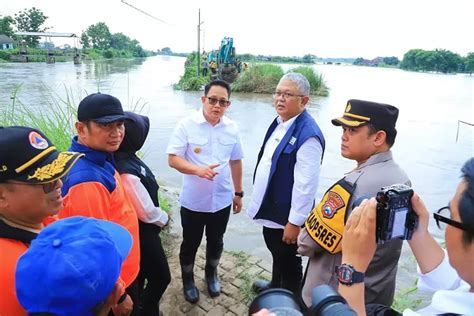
[(226, 145), (198, 145)]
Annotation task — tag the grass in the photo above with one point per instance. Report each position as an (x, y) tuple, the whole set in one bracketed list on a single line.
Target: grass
[(316, 80), (264, 78), (55, 118), (407, 298), (246, 288), (258, 78), (190, 81)]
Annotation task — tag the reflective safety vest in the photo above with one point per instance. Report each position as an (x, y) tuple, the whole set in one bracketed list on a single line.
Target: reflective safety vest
[(326, 222)]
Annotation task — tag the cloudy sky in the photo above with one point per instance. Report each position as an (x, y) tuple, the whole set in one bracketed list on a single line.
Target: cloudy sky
[(330, 28)]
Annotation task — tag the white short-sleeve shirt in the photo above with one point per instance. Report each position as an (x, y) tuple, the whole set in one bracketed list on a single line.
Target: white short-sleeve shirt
[(202, 144)]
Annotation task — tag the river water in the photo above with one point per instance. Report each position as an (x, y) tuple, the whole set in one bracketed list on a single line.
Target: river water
[(430, 107)]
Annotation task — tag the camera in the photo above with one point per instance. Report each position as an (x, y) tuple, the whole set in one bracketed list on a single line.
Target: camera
[(395, 216), (326, 302)]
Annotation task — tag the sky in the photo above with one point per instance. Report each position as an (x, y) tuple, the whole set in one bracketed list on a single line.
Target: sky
[(329, 28)]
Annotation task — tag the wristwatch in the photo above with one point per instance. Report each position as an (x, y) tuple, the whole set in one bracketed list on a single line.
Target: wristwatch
[(347, 275), (241, 194)]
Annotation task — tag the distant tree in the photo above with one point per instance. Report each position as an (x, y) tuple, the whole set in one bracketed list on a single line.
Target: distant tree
[(99, 36), (470, 63), (120, 41), (166, 51), (359, 61), (308, 59), (31, 20), (392, 61), (85, 40), (6, 26)]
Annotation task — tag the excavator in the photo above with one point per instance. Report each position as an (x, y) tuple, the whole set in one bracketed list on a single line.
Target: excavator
[(223, 63)]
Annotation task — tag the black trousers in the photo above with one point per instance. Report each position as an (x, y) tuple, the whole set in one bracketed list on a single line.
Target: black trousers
[(154, 269), (287, 271), (194, 224)]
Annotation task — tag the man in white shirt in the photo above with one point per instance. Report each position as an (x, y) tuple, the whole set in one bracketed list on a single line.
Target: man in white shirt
[(450, 277), (286, 179), (206, 148)]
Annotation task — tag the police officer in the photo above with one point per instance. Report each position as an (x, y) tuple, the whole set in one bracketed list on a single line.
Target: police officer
[(368, 133)]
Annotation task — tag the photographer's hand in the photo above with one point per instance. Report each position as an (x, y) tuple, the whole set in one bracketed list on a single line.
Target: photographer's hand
[(358, 248), (358, 242), (426, 250)]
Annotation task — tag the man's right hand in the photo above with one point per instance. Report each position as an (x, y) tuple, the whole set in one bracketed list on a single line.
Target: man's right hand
[(207, 172), (125, 308)]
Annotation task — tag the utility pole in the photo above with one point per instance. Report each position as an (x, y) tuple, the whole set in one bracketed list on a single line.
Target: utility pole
[(199, 43)]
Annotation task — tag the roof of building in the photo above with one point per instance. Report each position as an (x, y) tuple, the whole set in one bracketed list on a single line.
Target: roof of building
[(5, 39), (47, 34)]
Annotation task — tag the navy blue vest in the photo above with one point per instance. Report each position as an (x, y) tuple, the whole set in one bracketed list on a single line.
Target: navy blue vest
[(276, 202)]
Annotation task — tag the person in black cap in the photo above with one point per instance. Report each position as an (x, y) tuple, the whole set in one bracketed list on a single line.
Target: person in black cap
[(141, 186), (94, 188), (368, 133), (30, 191)]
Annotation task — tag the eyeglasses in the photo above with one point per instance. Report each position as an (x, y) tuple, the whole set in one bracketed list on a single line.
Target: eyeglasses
[(443, 216), (47, 187), (285, 95), (222, 103)]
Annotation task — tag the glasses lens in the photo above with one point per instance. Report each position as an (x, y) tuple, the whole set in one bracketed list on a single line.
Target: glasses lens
[(49, 187), (444, 212), (212, 101), (223, 103)]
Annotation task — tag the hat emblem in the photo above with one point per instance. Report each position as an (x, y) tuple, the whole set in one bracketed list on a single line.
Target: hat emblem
[(54, 168), (37, 141), (348, 107)]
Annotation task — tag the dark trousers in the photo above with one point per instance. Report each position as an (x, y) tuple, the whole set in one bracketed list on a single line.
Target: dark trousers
[(287, 271), (193, 224), (154, 269)]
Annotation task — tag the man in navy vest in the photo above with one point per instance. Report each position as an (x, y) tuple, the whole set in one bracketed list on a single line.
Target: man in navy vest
[(286, 179)]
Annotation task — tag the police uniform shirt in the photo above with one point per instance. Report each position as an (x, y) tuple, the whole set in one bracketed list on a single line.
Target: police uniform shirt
[(306, 175), (378, 171), (202, 144)]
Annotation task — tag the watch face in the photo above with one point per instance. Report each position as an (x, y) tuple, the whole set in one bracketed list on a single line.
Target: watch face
[(344, 274)]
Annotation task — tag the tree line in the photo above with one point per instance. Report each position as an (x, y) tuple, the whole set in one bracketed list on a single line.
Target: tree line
[(438, 60), (99, 37), (97, 40)]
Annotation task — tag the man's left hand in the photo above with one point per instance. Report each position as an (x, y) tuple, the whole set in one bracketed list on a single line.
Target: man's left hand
[(290, 233), (358, 243), (237, 204)]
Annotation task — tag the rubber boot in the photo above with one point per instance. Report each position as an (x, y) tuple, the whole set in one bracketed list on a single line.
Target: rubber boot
[(191, 293), (212, 279)]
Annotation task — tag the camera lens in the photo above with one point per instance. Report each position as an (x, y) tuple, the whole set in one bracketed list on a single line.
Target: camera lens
[(326, 302), (278, 301)]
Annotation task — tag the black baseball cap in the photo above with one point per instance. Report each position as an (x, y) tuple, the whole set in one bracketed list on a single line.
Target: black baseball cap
[(100, 108), (27, 155), (359, 113)]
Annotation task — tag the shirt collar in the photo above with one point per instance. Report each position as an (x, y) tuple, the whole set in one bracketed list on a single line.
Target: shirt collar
[(286, 125), (377, 158), (96, 156)]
